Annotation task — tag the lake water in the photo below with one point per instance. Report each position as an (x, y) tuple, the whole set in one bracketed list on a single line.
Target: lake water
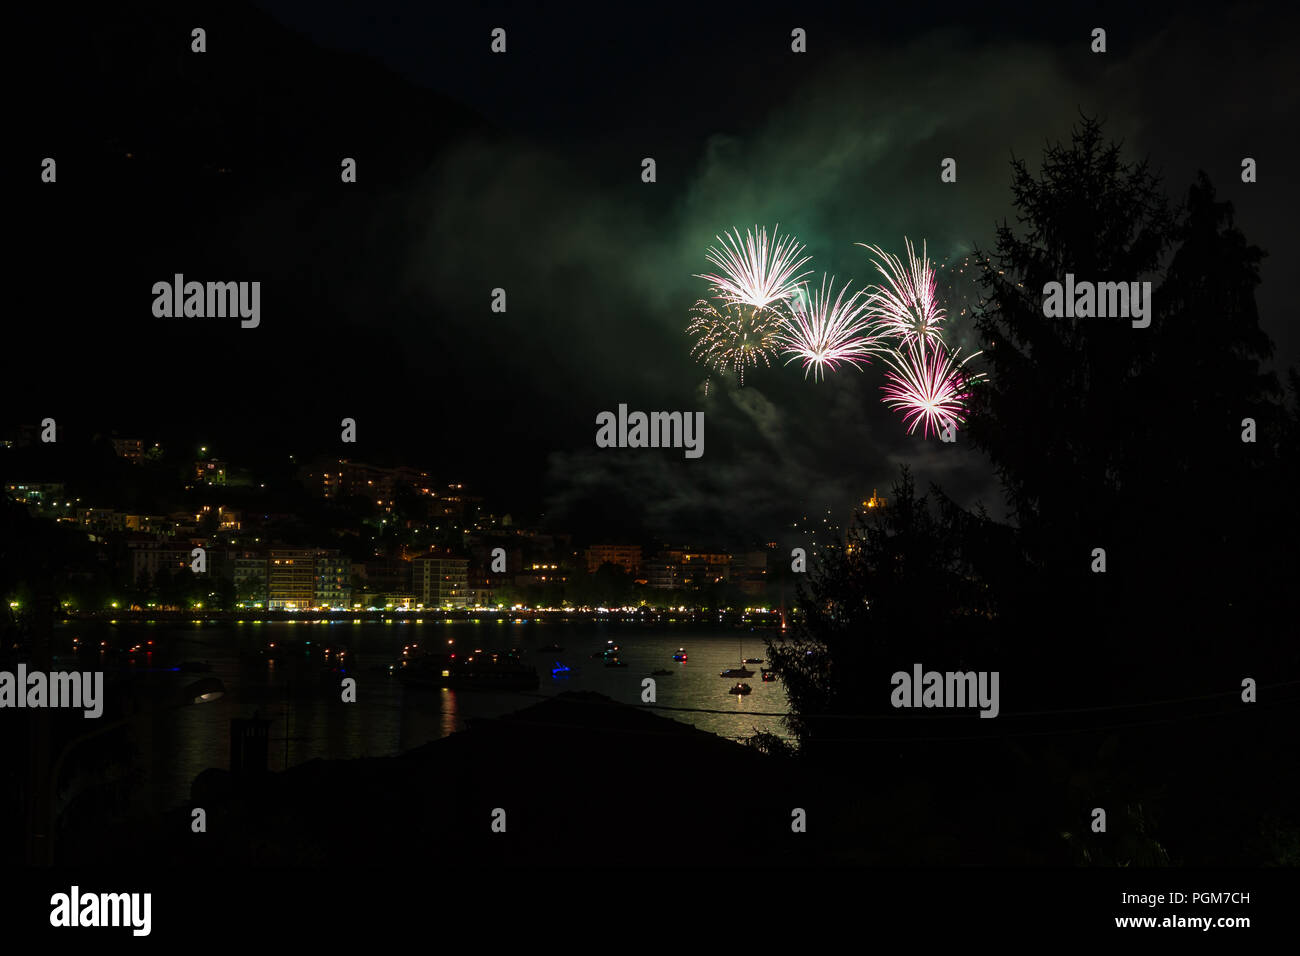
[(309, 720)]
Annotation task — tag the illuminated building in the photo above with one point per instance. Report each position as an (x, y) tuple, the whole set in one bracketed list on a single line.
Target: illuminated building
[(226, 519), (440, 579), (40, 497), (749, 570), (150, 557), (454, 504), (101, 519), (211, 471), (156, 525), (342, 478), (871, 507), (701, 568), (250, 577), (675, 568), (132, 449), (333, 580), (291, 579), (626, 556)]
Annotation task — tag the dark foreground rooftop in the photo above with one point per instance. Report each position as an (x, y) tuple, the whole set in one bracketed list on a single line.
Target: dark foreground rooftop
[(581, 780)]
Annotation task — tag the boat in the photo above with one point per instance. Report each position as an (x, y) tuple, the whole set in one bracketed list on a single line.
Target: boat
[(661, 673), (753, 660), (284, 651), (611, 649), (737, 672), (769, 674), (555, 648), (740, 689), (680, 655), (482, 672), (615, 662)]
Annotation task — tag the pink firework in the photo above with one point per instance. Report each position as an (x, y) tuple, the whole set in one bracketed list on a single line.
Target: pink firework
[(929, 385), (755, 272), (906, 306), (824, 333)]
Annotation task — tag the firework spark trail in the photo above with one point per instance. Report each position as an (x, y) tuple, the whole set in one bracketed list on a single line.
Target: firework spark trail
[(756, 272), (906, 307), (824, 333), (731, 336), (929, 385), (959, 288)]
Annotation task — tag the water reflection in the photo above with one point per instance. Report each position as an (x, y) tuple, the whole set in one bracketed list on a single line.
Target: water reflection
[(291, 674)]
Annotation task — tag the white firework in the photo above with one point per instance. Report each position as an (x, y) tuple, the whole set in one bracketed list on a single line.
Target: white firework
[(906, 307), (754, 271), (824, 333)]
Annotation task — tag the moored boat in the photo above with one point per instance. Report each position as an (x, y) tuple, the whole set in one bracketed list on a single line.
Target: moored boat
[(480, 672)]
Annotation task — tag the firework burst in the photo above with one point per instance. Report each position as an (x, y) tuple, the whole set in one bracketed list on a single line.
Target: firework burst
[(731, 337), (906, 307), (929, 385), (824, 333), (756, 272)]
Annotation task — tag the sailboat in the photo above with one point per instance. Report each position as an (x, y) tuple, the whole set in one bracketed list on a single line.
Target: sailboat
[(742, 670)]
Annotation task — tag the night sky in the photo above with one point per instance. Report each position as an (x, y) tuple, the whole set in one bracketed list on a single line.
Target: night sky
[(522, 171)]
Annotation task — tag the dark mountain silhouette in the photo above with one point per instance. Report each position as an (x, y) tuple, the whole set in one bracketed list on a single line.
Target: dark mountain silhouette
[(221, 166)]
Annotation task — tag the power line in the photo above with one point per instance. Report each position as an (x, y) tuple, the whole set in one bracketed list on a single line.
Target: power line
[(947, 716)]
